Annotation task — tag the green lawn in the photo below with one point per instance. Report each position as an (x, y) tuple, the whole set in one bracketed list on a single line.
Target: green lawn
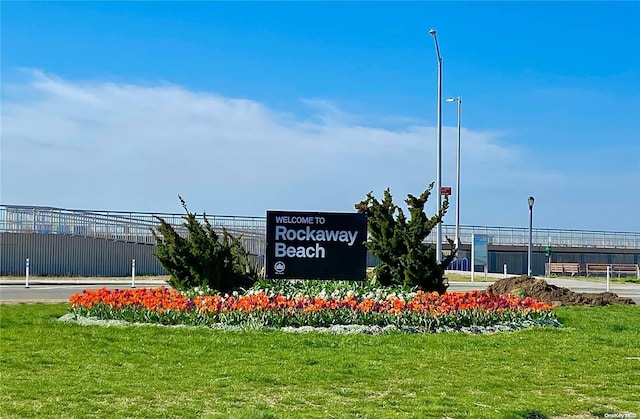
[(479, 277), (52, 369)]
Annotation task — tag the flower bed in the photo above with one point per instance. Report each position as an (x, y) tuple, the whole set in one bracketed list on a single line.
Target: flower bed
[(412, 311)]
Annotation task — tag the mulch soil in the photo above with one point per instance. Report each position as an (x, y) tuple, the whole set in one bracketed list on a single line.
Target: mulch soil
[(540, 290)]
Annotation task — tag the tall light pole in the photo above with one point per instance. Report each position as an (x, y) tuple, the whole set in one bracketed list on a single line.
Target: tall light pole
[(531, 200), (457, 240), (438, 150)]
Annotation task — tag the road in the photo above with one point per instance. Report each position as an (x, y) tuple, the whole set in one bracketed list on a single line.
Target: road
[(43, 290), (54, 291)]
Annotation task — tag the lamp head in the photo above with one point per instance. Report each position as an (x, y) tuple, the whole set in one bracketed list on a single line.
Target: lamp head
[(451, 99), (432, 32), (531, 200)]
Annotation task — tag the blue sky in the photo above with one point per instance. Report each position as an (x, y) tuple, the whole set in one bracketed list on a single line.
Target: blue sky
[(243, 107)]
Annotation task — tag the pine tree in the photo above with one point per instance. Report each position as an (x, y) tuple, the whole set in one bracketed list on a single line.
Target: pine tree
[(405, 259), (203, 257)]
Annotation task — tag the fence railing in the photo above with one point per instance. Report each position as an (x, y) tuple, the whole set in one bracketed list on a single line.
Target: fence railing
[(519, 236), (137, 226)]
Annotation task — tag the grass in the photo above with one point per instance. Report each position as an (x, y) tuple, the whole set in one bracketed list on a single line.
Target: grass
[(479, 277), (52, 369)]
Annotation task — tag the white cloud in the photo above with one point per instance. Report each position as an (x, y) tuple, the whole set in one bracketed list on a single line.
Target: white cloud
[(131, 147)]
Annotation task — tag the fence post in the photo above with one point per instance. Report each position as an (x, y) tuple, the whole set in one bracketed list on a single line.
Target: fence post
[(608, 276), (504, 269), (133, 273), (26, 281)]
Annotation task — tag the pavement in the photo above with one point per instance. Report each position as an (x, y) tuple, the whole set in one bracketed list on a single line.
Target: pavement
[(44, 289), (55, 290)]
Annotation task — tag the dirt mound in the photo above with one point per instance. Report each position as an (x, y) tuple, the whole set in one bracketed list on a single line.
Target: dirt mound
[(539, 289)]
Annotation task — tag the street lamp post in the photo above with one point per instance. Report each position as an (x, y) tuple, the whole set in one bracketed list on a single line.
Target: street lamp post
[(457, 240), (438, 150), (531, 200)]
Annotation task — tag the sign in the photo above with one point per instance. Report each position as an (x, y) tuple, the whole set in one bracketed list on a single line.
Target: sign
[(316, 245), (479, 254), (480, 250), (445, 190)]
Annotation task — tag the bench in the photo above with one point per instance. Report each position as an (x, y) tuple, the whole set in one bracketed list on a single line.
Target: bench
[(564, 268), (626, 269), (615, 268), (596, 268)]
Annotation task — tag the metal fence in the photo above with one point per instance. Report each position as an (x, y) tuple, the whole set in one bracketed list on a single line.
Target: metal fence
[(102, 243), (66, 255), (519, 236), (136, 227), (116, 225)]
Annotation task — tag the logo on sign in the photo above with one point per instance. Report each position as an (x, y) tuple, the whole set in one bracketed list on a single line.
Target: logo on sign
[(279, 267)]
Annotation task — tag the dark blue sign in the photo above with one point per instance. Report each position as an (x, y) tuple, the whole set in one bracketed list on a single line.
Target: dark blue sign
[(316, 245)]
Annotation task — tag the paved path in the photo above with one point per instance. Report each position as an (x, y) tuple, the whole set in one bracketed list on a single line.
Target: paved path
[(59, 290)]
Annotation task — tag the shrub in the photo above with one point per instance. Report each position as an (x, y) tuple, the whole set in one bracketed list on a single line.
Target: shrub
[(405, 259), (203, 258)]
